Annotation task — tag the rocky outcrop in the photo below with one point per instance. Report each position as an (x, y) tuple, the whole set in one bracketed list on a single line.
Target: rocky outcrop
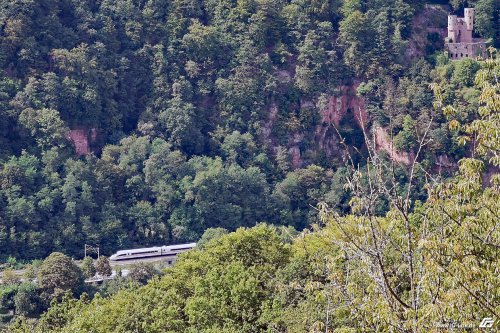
[(445, 162), (326, 136), (267, 127), (383, 143), (345, 101), (338, 106), (294, 150), (431, 20), (83, 139)]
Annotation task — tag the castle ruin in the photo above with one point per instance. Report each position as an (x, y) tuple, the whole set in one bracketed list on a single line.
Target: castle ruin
[(460, 43)]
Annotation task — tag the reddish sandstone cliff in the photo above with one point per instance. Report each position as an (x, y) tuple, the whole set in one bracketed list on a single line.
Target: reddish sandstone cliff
[(83, 139)]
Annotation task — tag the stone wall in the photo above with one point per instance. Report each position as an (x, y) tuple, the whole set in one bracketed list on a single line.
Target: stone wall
[(472, 50)]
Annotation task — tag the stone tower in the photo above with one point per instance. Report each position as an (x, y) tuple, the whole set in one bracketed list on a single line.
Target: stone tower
[(452, 28), (469, 19), (460, 43)]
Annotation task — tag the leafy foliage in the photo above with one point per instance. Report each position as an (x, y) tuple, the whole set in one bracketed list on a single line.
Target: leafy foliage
[(88, 267), (59, 274), (102, 266)]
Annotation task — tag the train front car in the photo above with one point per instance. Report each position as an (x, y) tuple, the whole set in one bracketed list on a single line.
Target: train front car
[(136, 254), (118, 255)]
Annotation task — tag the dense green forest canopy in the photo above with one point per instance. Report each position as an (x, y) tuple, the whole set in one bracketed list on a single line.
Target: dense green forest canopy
[(427, 267), (204, 114), (371, 158)]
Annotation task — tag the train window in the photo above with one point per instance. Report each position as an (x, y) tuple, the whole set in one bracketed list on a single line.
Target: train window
[(146, 252)]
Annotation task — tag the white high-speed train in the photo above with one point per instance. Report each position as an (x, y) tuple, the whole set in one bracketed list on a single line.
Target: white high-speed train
[(159, 251)]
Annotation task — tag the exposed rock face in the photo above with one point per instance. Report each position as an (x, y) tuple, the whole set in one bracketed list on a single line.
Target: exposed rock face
[(430, 20), (295, 150), (327, 138), (83, 139), (325, 134), (284, 76), (383, 142), (338, 106), (444, 161), (268, 125)]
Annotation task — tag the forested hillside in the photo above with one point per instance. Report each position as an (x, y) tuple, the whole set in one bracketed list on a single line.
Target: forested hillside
[(421, 267), (129, 123), (338, 172)]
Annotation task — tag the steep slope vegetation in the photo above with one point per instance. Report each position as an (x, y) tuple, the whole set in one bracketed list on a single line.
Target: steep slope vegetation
[(129, 123)]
